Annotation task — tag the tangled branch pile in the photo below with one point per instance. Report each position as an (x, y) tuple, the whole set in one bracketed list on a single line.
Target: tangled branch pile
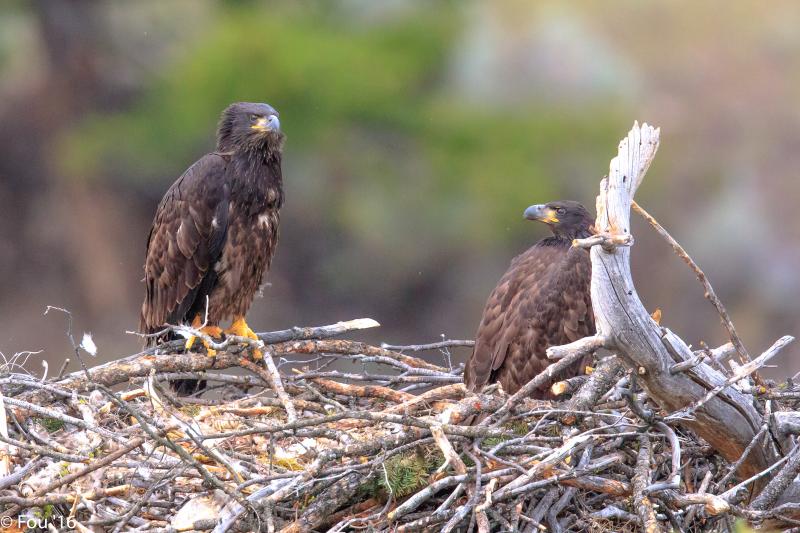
[(382, 446)]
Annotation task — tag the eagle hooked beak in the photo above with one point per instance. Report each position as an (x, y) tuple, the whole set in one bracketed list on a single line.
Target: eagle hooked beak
[(542, 213), (268, 123)]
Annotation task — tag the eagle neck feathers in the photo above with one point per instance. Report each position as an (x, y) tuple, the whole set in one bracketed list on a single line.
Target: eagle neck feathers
[(256, 178)]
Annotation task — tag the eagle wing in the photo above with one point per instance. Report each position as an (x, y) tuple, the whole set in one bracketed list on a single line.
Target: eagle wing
[(185, 242), (542, 300)]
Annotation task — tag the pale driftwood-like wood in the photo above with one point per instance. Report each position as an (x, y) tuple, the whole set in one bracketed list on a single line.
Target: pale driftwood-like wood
[(787, 422), (583, 346), (728, 420)]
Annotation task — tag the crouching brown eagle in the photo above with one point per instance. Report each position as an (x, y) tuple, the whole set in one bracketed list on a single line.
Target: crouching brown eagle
[(542, 300), (215, 231)]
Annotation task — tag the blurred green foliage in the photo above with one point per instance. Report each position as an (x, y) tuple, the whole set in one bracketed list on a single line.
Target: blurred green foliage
[(372, 120), (418, 131)]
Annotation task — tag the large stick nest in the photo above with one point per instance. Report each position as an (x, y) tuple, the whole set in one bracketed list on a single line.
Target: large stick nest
[(343, 436)]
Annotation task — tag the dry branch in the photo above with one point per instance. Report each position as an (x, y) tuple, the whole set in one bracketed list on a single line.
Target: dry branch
[(600, 381), (641, 480), (728, 420), (582, 347), (709, 293), (779, 482)]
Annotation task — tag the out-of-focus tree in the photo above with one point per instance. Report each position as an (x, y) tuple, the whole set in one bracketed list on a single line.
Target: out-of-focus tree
[(389, 175), (418, 131)]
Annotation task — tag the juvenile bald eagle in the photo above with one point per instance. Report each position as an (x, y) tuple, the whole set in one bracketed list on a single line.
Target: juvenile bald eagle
[(215, 230), (542, 300)]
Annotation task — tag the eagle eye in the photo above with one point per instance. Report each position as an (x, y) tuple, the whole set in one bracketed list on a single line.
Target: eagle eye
[(253, 118), (561, 210)]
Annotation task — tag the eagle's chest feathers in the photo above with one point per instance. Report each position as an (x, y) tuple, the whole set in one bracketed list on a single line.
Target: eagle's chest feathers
[(253, 215), (251, 239), (249, 246)]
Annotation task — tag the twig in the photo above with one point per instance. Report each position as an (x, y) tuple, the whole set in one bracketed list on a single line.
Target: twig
[(16, 477), (450, 455), (556, 456), (320, 510), (537, 382), (581, 347), (273, 377), (674, 482), (60, 499), (770, 494), (455, 391), (741, 372), (569, 385), (426, 347), (714, 505), (569, 493), (317, 332), (105, 461), (55, 454), (733, 492), (689, 364), (480, 510), (641, 480), (599, 382), (543, 505), (735, 466), (702, 490), (464, 510), (613, 512), (425, 494), (424, 523), (363, 391), (606, 241), (709, 290), (63, 369), (141, 365), (49, 413)]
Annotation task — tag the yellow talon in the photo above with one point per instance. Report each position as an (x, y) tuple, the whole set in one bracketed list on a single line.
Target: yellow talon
[(211, 331), (211, 352), (239, 328)]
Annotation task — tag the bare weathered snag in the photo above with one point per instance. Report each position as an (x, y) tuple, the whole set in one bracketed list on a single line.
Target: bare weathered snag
[(727, 420)]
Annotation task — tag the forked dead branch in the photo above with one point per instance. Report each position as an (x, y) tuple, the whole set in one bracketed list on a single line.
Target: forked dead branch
[(340, 435), (726, 419)]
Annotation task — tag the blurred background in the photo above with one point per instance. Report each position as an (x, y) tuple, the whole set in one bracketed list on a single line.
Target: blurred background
[(418, 132)]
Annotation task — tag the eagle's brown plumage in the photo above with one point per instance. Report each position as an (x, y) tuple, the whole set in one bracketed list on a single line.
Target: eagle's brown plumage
[(216, 229), (542, 300)]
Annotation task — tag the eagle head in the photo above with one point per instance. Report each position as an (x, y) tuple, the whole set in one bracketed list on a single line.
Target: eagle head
[(566, 218), (249, 126)]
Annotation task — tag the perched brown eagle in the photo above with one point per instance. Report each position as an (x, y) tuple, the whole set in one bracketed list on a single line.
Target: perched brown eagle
[(215, 230), (542, 300)]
